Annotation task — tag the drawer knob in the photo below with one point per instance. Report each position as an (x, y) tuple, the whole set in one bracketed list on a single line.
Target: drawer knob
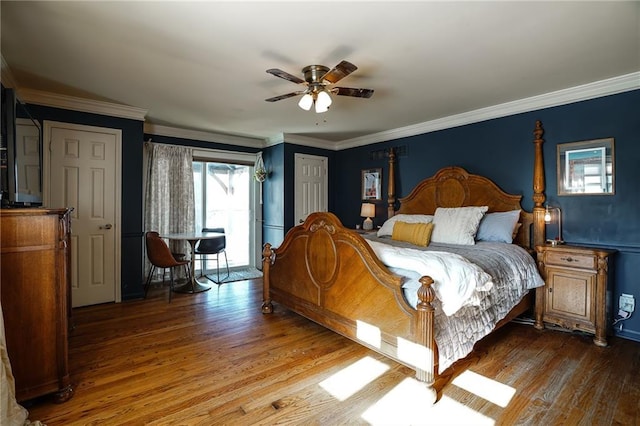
[(568, 259)]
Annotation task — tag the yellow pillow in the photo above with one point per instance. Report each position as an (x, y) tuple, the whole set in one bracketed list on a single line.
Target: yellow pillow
[(418, 234)]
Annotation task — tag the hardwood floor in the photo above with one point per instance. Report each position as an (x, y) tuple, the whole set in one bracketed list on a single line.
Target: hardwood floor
[(214, 358)]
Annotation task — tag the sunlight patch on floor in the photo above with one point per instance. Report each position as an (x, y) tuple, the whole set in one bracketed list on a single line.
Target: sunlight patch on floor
[(404, 405), (495, 392), (351, 379)]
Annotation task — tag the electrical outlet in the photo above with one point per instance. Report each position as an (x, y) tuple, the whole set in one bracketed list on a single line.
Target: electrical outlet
[(627, 302)]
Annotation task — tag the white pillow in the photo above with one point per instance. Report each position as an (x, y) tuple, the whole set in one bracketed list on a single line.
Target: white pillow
[(457, 225), (498, 226), (387, 227)]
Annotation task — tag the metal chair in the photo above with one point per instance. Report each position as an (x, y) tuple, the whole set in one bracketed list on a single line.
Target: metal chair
[(215, 246), (160, 256)]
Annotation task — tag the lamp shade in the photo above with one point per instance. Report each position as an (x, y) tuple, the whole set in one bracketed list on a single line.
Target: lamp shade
[(368, 210), (547, 215), (548, 218), (323, 101), (305, 102)]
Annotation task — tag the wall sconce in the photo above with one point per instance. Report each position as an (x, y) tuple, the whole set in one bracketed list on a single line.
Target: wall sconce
[(548, 219), (368, 210)]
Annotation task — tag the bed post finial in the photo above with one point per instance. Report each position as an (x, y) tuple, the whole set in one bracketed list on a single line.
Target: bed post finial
[(391, 192), (538, 186)]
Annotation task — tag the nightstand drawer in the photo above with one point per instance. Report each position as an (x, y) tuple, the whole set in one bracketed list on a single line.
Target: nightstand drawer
[(574, 260)]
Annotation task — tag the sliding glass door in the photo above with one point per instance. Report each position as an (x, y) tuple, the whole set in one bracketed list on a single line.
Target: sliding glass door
[(225, 198)]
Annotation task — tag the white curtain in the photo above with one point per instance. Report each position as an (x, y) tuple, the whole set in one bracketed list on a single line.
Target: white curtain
[(169, 199)]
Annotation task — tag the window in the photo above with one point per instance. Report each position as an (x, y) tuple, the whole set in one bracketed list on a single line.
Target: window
[(224, 198)]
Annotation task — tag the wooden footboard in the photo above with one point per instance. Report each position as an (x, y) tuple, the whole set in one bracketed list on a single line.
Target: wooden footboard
[(330, 275)]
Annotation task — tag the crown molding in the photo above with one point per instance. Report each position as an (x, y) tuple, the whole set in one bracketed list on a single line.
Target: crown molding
[(274, 140), (299, 140), (584, 92), (175, 132), (38, 97), (6, 76)]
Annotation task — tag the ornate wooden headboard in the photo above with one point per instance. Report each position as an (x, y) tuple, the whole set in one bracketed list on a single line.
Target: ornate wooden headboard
[(455, 187)]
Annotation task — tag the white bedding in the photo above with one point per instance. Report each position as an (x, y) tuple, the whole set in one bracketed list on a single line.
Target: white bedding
[(511, 270), (457, 282)]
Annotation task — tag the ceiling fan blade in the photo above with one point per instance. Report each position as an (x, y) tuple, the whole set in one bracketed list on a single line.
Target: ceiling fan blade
[(281, 97), (349, 91), (339, 72), (285, 75)]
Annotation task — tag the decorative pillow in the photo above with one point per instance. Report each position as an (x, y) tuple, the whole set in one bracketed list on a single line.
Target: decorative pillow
[(387, 227), (498, 226), (457, 225), (418, 234)]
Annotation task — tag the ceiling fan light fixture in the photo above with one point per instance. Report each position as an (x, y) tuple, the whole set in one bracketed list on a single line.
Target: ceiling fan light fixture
[(318, 80), (306, 102), (323, 102)]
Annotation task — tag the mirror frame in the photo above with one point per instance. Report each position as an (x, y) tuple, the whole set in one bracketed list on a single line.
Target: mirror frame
[(598, 154)]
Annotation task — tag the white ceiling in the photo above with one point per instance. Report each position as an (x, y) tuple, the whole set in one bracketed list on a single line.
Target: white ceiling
[(201, 65)]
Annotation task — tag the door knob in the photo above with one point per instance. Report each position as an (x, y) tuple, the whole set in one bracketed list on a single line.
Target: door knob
[(107, 226)]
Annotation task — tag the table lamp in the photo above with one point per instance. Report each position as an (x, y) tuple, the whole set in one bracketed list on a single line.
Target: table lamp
[(368, 210), (547, 219)]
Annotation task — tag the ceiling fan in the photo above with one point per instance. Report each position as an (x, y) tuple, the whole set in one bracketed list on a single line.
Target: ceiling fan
[(318, 79)]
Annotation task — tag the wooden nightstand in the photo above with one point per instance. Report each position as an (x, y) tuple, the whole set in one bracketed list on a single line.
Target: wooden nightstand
[(368, 231), (575, 294)]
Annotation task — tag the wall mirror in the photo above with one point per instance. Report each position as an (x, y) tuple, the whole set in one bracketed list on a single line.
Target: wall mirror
[(586, 168)]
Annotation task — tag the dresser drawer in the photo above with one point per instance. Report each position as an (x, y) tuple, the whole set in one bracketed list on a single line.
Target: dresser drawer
[(574, 260)]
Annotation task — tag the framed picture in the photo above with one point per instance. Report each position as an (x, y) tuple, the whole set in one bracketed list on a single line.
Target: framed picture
[(372, 184), (586, 168)]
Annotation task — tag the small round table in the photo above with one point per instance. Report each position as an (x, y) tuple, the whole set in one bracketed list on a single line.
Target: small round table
[(193, 286)]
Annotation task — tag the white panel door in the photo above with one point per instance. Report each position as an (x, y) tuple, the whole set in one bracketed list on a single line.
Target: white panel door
[(84, 174), (311, 185)]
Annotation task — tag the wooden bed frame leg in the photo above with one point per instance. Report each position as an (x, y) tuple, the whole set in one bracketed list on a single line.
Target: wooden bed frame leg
[(540, 296), (425, 330), (267, 258)]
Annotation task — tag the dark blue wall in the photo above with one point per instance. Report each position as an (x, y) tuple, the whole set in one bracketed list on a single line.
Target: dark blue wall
[(502, 150), (273, 195)]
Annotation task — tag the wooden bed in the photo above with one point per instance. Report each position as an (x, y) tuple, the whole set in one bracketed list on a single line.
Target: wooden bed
[(330, 274)]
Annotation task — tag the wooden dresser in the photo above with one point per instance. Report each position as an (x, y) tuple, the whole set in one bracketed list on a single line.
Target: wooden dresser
[(35, 291), (575, 294)]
